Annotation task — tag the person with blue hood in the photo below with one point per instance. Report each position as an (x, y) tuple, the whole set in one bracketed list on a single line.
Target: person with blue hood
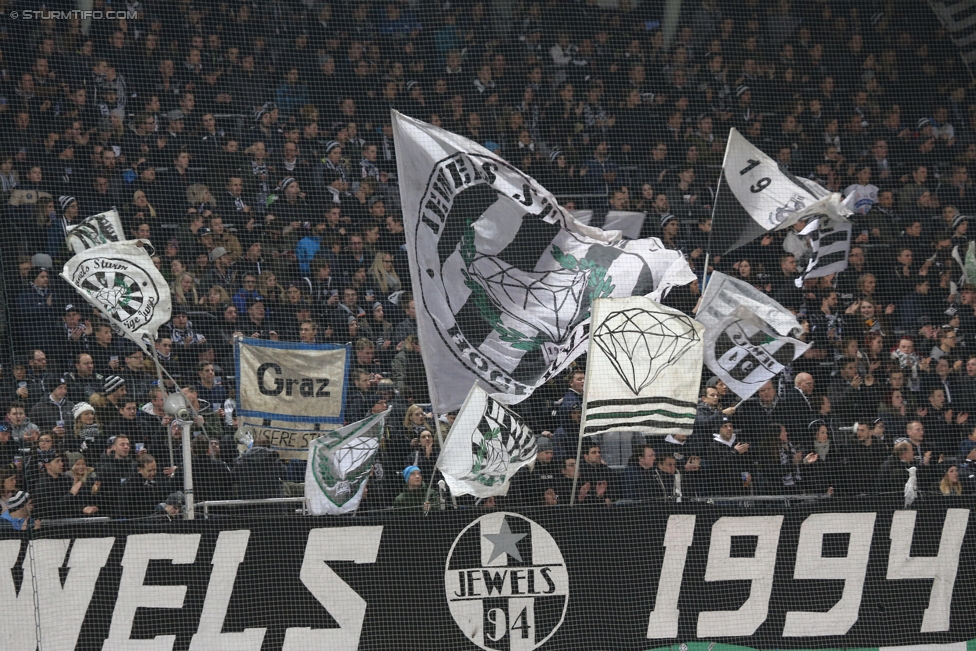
[(414, 495)]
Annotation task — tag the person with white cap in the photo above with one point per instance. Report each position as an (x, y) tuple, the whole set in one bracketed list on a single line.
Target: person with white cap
[(86, 430)]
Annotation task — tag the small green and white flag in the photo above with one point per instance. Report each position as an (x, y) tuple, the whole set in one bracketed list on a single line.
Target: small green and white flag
[(339, 464), (487, 445)]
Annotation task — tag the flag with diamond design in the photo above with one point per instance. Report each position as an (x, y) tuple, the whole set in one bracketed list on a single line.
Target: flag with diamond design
[(120, 280), (487, 445), (503, 277), (643, 368), (339, 466)]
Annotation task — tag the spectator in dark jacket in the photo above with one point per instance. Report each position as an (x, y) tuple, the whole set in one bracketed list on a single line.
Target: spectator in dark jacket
[(259, 472), (728, 464), (894, 471), (211, 476), (143, 493), (56, 494), (708, 417), (362, 402), (114, 469)]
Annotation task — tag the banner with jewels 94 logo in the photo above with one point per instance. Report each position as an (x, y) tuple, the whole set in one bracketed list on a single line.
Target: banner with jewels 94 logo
[(855, 572)]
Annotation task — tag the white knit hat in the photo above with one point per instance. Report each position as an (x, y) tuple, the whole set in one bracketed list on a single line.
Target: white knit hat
[(81, 408)]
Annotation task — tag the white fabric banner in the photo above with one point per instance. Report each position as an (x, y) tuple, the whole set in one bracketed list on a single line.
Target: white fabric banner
[(773, 198), (486, 446), (290, 440), (291, 382), (95, 230), (503, 276), (120, 280), (749, 337), (643, 369), (339, 466)]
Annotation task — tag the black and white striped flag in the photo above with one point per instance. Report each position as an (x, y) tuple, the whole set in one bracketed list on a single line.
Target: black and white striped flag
[(830, 240)]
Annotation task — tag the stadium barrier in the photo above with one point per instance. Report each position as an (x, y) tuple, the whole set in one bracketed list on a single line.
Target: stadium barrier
[(833, 574)]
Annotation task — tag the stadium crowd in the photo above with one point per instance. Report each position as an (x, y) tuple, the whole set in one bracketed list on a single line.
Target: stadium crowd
[(249, 145)]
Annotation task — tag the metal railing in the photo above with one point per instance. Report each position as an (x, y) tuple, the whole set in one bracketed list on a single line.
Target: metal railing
[(261, 502), (69, 521)]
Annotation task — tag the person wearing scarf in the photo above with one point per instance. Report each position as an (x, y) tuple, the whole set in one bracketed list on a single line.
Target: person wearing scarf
[(910, 363), (58, 229), (332, 162), (783, 461)]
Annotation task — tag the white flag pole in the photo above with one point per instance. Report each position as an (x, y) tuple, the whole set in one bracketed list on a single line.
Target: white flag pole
[(440, 442)]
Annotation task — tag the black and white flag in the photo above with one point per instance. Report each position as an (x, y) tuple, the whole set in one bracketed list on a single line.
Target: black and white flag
[(749, 337), (759, 196), (486, 446), (339, 466), (830, 241), (120, 280), (503, 276), (643, 368), (93, 231)]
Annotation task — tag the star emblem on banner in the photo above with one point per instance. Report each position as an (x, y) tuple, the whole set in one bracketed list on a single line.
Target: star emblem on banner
[(504, 542)]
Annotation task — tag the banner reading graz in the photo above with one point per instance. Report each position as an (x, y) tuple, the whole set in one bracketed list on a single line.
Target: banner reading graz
[(290, 391), (848, 574)]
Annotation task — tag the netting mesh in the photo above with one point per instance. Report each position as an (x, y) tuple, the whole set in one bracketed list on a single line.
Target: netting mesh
[(249, 148)]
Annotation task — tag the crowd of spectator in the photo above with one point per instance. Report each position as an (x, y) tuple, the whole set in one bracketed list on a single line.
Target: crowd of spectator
[(249, 147)]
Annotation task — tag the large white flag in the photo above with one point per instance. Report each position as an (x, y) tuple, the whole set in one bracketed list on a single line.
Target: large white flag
[(95, 230), (503, 277), (767, 197), (749, 337), (643, 369), (120, 280), (486, 446), (339, 464)]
